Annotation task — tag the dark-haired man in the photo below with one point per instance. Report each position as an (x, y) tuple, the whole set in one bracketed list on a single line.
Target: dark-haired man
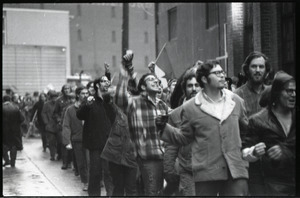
[(212, 122), (142, 111), (97, 116), (256, 68)]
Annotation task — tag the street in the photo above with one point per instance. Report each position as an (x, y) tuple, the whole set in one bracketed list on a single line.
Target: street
[(35, 175)]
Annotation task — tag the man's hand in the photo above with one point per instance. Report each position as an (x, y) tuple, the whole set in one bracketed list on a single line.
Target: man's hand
[(90, 100), (127, 61), (259, 149), (151, 67), (69, 146), (161, 121), (275, 152)]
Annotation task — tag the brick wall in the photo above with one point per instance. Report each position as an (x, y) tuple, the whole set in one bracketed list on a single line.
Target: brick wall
[(269, 33), (238, 36)]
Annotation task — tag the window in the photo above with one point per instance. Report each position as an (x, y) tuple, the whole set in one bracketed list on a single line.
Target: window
[(80, 61), (113, 12), (113, 36), (79, 10), (172, 22), (211, 15), (145, 14), (4, 28), (79, 37), (114, 61), (146, 39), (146, 61)]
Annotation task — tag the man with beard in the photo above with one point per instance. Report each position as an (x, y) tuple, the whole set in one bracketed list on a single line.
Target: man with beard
[(212, 122), (256, 68), (190, 88)]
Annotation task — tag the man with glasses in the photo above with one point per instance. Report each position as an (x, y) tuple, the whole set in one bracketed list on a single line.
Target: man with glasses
[(142, 111), (271, 137), (212, 122), (256, 68)]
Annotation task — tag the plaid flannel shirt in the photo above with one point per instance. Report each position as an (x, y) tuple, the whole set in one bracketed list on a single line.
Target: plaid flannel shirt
[(141, 112)]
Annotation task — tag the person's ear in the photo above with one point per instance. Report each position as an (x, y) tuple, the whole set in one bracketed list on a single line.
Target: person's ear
[(97, 85), (204, 79), (143, 87)]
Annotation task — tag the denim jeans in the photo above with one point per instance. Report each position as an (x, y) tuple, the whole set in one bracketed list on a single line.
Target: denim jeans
[(124, 180), (152, 175)]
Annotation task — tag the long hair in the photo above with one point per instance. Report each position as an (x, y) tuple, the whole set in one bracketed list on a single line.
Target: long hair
[(250, 57)]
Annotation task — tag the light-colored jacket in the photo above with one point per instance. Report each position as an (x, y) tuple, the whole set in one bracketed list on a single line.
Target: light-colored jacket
[(216, 145)]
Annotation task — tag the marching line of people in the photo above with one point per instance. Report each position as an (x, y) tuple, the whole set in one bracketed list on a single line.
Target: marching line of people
[(205, 135)]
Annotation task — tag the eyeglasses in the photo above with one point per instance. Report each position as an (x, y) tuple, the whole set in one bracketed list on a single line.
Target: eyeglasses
[(218, 73), (290, 91)]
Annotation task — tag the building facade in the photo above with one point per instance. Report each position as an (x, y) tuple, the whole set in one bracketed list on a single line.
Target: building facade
[(96, 34), (227, 32), (35, 49)]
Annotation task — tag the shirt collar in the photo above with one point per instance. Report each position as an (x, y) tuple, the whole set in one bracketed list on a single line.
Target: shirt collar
[(250, 87), (208, 99)]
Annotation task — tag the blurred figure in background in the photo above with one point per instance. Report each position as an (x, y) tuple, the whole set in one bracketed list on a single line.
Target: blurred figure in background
[(12, 137), (50, 124), (37, 108), (61, 102), (72, 135)]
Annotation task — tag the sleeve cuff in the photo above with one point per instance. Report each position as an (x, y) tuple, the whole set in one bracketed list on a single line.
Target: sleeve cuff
[(248, 154)]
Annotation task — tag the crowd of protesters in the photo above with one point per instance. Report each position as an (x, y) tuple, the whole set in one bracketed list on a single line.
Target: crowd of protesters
[(206, 134)]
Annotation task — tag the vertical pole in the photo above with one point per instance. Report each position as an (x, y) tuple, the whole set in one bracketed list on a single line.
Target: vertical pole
[(125, 25), (225, 48)]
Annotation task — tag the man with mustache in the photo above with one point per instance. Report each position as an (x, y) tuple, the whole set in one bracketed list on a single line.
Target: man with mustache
[(256, 68), (212, 122)]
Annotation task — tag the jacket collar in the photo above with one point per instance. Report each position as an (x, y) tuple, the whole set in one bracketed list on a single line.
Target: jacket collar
[(229, 104)]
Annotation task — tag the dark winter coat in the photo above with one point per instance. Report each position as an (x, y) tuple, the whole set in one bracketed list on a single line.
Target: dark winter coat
[(11, 122), (265, 127), (47, 115), (97, 117), (38, 106), (119, 148)]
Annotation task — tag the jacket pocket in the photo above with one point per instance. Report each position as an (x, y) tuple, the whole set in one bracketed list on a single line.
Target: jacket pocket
[(199, 156)]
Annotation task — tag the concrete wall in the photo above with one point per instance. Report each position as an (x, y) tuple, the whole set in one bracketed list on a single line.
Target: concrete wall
[(31, 27), (194, 41), (96, 24)]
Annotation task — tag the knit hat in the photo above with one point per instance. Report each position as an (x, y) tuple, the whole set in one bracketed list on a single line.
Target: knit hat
[(279, 81), (52, 93)]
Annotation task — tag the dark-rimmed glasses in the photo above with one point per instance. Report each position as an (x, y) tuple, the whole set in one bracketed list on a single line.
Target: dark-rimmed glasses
[(218, 73)]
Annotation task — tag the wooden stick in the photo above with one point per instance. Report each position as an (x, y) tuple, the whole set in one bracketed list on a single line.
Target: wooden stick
[(160, 53), (30, 127)]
